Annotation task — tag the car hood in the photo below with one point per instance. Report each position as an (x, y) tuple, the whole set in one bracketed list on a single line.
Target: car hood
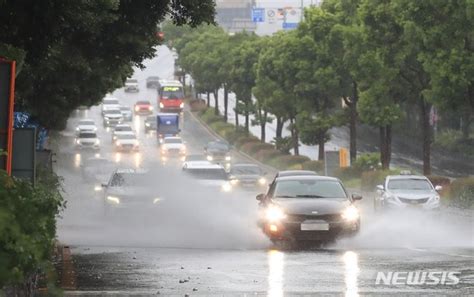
[(217, 151), (246, 176), (308, 206), (109, 106), (87, 140), (87, 127), (113, 116), (131, 192), (169, 146), (127, 141), (412, 194)]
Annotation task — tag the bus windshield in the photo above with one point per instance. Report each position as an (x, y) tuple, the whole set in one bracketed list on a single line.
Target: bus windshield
[(174, 92)]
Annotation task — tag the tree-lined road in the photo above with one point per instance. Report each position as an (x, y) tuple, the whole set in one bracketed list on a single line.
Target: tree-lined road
[(202, 241)]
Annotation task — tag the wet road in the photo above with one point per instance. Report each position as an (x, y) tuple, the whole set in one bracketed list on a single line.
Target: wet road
[(205, 242)]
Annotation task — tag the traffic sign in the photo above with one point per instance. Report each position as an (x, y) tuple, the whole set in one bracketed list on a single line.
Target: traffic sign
[(258, 15), (290, 25)]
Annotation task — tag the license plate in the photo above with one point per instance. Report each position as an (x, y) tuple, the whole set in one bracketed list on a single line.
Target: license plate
[(314, 226)]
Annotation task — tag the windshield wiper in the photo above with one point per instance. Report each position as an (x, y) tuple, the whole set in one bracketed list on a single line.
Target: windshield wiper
[(285, 196), (310, 196)]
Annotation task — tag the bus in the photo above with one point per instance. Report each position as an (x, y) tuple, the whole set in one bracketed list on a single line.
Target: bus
[(170, 96)]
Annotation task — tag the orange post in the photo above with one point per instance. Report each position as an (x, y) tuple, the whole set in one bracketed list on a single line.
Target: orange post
[(343, 158)]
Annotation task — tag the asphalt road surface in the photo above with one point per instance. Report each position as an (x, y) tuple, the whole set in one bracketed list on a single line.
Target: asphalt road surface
[(202, 241)]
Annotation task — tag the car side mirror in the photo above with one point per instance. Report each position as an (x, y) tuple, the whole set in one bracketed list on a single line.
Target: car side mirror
[(356, 197), (438, 188), (260, 197), (380, 187)]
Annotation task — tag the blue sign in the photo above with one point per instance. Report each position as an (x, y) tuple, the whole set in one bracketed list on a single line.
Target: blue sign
[(258, 15), (290, 25)]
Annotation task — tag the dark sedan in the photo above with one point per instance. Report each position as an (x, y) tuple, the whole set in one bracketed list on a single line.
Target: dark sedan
[(308, 209), (247, 176), (218, 152), (150, 124)]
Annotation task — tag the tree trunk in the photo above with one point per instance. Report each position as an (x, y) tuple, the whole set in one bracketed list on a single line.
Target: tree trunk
[(425, 109), (247, 117), (466, 123), (294, 137), (263, 125), (385, 146), (208, 99), (236, 116), (353, 123), (226, 102), (279, 127), (216, 102), (321, 143)]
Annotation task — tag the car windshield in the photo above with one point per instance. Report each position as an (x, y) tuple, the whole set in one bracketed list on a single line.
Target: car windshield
[(111, 101), (123, 128), (195, 158), (409, 184), (87, 123), (124, 108), (132, 81), (309, 188), (218, 146), (126, 136), (153, 78), (173, 140), (207, 173), (143, 103), (128, 179), (236, 170), (87, 135), (113, 111), (151, 119)]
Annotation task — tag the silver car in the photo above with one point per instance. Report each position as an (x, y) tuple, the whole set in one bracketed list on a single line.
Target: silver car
[(407, 192)]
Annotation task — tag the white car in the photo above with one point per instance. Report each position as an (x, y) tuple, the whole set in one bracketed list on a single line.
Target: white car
[(131, 85), (121, 129), (110, 103), (208, 174), (87, 140), (407, 192), (112, 117), (86, 125), (173, 146), (127, 143)]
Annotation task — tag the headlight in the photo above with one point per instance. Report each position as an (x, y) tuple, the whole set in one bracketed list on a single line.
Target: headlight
[(97, 142), (150, 107), (274, 214), (113, 199), (234, 182), (350, 214), (137, 108), (156, 200), (227, 187), (77, 129), (227, 158), (118, 143), (210, 158), (262, 181), (162, 105), (147, 124), (181, 105), (78, 141), (95, 129)]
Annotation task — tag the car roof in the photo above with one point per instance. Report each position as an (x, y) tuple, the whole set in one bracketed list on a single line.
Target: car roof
[(153, 77), (202, 165), (123, 126), (124, 107), (402, 176), (110, 98), (169, 82), (172, 137), (307, 177), (143, 102), (296, 173), (84, 120)]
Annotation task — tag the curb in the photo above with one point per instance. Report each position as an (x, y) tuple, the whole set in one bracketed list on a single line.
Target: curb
[(266, 167)]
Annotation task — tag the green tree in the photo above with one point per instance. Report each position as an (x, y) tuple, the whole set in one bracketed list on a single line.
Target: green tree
[(77, 51)]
